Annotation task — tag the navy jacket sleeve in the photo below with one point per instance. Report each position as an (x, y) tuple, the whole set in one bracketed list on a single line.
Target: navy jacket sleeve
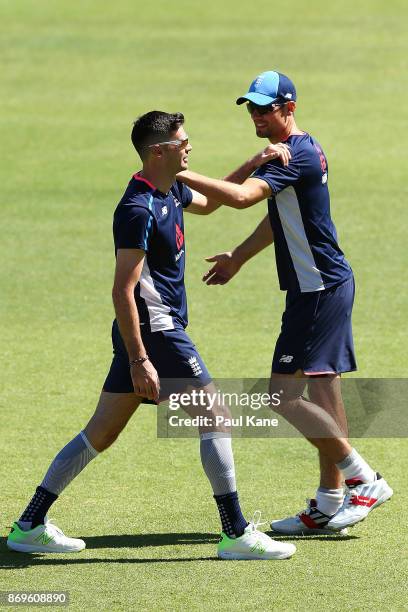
[(135, 229), (185, 195), (277, 176)]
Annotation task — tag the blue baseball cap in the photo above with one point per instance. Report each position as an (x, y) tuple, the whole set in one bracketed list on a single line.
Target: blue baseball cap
[(269, 87)]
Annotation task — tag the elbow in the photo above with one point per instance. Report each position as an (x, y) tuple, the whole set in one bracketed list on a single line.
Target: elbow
[(122, 294), (116, 294), (211, 206), (242, 201), (209, 210)]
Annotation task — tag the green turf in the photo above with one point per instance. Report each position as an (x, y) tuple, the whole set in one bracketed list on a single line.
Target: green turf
[(74, 76)]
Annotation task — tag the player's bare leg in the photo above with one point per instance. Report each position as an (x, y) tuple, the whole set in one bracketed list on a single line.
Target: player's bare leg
[(110, 418), (326, 429), (325, 392), (313, 421)]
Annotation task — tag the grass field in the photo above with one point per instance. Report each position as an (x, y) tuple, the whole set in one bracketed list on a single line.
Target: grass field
[(75, 75)]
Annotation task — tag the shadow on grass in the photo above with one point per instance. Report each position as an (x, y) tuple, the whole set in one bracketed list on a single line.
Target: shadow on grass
[(13, 560), (150, 539), (312, 538), (23, 561)]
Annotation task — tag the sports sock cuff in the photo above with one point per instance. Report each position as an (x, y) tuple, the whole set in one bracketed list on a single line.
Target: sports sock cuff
[(354, 466), (224, 496), (50, 494), (88, 444), (212, 435), (331, 491), (347, 461)]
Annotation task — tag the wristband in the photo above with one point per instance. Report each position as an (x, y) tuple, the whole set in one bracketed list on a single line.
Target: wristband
[(138, 361)]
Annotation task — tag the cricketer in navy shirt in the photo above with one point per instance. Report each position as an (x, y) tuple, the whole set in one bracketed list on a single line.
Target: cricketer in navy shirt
[(150, 220), (308, 257)]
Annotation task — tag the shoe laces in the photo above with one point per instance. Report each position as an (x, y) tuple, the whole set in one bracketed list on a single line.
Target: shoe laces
[(308, 507), (54, 528), (348, 498), (256, 520), (350, 495)]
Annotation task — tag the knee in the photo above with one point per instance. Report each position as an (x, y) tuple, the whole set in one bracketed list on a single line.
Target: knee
[(284, 405), (109, 438), (103, 439), (280, 408), (286, 395)]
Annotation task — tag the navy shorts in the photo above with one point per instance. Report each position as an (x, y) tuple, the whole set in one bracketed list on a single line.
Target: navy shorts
[(173, 354), (316, 334)]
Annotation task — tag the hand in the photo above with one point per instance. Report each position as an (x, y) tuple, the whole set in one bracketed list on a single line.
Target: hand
[(226, 266), (273, 151), (145, 380)]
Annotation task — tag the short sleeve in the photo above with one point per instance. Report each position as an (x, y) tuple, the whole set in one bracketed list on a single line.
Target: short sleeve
[(183, 193), (277, 176), (134, 230)]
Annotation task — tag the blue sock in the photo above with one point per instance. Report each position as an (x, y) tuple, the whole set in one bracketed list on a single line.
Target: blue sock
[(232, 519)]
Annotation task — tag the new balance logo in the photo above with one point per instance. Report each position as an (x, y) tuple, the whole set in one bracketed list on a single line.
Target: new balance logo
[(195, 366), (257, 547), (286, 359), (164, 211), (43, 539)]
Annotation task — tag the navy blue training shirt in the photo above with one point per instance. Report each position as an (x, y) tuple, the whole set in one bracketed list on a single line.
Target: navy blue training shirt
[(308, 257), (150, 220)]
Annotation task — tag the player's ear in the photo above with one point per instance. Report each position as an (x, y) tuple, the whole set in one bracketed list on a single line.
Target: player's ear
[(291, 106), (156, 151)]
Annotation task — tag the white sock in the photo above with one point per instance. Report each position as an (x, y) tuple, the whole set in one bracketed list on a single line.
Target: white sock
[(329, 500), (354, 466)]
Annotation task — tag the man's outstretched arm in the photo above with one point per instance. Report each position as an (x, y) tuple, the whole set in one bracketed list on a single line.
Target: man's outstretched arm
[(229, 263), (209, 194), (242, 196)]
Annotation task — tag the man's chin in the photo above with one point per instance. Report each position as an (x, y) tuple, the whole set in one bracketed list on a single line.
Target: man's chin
[(261, 133)]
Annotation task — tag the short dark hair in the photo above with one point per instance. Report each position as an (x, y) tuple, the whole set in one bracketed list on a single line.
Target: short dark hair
[(154, 127)]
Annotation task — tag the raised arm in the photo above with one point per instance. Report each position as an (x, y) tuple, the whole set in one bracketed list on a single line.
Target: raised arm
[(201, 205), (234, 190), (236, 196), (129, 264), (229, 263)]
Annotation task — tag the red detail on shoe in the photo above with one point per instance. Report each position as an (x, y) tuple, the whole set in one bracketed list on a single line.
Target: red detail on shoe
[(179, 237), (354, 482), (360, 500), (309, 522)]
